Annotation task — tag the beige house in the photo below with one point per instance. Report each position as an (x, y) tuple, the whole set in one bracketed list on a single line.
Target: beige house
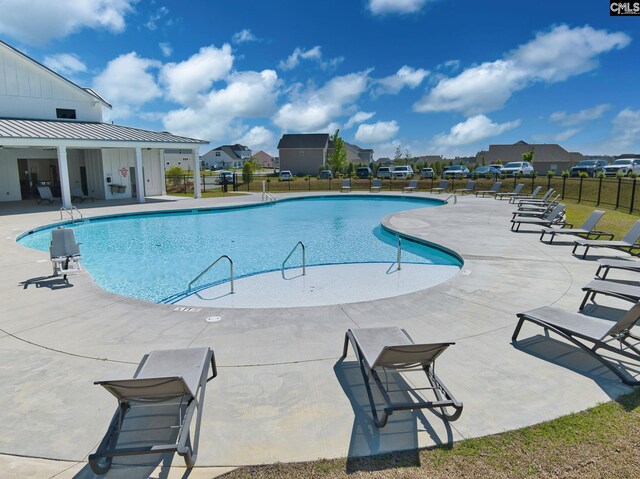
[(545, 156), (52, 135), (263, 159), (303, 154)]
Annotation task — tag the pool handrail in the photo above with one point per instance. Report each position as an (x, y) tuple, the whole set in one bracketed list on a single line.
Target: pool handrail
[(224, 256), (69, 211), (304, 262)]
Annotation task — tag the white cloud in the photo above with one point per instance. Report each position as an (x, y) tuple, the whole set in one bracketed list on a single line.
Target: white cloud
[(244, 36), (166, 49), (313, 54), (127, 82), (557, 137), (569, 119), (185, 80), (404, 77), (157, 15), (65, 64), (216, 114), (551, 57), (315, 108), (377, 132), (472, 130), (47, 19), (626, 129), (257, 138), (359, 117), (378, 7)]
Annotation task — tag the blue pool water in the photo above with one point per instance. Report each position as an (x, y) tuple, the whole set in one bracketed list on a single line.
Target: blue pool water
[(154, 256)]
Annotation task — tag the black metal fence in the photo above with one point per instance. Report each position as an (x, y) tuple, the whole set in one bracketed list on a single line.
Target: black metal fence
[(619, 192)]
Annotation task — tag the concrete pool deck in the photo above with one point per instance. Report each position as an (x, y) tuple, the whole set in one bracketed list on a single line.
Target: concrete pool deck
[(281, 393)]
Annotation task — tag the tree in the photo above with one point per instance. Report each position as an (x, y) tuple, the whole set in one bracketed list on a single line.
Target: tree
[(397, 158), (528, 156), (338, 159), (248, 169), (175, 173)]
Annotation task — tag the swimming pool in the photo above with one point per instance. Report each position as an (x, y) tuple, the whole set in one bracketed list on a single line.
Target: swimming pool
[(153, 257)]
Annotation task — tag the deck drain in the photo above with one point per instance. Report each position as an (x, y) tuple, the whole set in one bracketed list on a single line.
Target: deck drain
[(213, 319)]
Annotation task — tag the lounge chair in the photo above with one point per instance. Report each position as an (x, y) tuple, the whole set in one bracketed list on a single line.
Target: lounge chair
[(534, 193), (376, 185), (45, 195), (442, 186), (471, 186), (160, 400), (554, 217), (544, 199), (64, 252), (586, 230), (78, 194), (627, 292), (628, 243), (494, 189), (607, 264), (413, 185), (346, 186), (589, 334), (535, 211), (516, 191), (380, 350)]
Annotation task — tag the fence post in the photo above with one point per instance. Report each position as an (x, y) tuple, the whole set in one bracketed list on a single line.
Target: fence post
[(533, 181), (184, 181), (618, 194), (580, 190), (309, 181), (633, 196), (548, 182), (564, 183), (599, 191)]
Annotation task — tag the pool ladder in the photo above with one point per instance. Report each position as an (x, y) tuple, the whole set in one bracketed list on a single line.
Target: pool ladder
[(455, 198), (224, 256), (304, 261), (70, 211)]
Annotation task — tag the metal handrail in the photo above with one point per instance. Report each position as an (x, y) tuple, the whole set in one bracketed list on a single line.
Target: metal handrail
[(268, 196), (211, 266), (455, 198), (399, 254), (70, 212), (304, 261)]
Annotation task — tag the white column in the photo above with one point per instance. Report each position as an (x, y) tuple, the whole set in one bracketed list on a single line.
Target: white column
[(196, 173), (63, 166), (163, 176), (139, 176)]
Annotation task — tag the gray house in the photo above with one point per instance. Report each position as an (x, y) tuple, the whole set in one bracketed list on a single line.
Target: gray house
[(546, 156), (226, 157), (355, 154), (303, 154)]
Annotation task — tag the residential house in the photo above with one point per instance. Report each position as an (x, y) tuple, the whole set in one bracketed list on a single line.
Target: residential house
[(264, 159), (303, 154), (546, 156), (177, 157), (226, 157), (52, 134), (355, 154)]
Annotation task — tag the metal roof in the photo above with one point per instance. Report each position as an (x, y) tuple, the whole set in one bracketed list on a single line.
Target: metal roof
[(11, 128), (304, 140)]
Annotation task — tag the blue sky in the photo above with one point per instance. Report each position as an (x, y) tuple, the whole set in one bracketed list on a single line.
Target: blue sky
[(446, 77)]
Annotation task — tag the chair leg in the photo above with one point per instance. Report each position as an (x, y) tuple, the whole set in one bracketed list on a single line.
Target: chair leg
[(514, 336), (586, 298)]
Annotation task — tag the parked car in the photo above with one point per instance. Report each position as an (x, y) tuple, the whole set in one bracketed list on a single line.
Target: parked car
[(590, 167), (497, 166), (225, 175), (402, 172), (514, 167), (624, 166), (363, 172), (286, 175), (455, 171), (325, 175), (384, 172), (427, 173), (486, 170)]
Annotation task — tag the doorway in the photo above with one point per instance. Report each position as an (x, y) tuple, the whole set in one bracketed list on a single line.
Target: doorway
[(132, 178)]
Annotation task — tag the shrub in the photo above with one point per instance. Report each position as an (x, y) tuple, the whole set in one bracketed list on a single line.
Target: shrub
[(565, 173), (583, 174), (551, 174)]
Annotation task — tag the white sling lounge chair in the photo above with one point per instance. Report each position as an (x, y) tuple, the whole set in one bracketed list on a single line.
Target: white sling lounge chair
[(494, 189), (45, 195), (590, 334), (587, 229), (78, 194), (411, 187), (628, 243), (64, 252), (391, 348), (161, 399)]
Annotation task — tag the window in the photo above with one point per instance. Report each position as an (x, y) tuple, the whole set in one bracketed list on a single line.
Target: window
[(217, 153), (301, 153), (64, 113)]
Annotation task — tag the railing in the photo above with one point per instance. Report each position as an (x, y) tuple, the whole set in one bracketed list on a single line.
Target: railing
[(304, 261), (224, 256), (399, 254), (455, 198), (70, 211), (266, 196)]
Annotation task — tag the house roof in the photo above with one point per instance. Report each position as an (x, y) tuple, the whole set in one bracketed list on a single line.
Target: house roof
[(86, 91), (304, 141), (20, 129)]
